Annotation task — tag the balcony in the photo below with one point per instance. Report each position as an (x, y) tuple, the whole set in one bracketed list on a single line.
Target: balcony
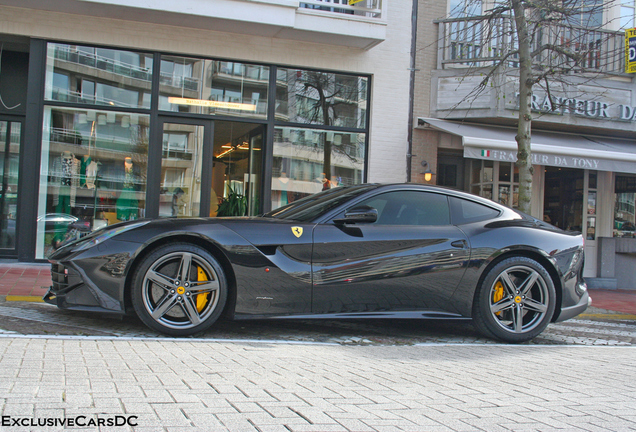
[(468, 42), (352, 23), (591, 92)]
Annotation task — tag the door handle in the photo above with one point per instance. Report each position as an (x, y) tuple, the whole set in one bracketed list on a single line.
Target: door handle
[(460, 244)]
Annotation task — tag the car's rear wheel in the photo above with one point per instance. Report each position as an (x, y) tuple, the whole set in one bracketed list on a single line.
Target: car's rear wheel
[(179, 289), (515, 301)]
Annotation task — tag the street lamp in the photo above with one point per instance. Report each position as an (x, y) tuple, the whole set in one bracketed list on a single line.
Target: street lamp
[(428, 174)]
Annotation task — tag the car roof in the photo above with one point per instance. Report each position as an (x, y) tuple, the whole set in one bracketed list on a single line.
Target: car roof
[(445, 190)]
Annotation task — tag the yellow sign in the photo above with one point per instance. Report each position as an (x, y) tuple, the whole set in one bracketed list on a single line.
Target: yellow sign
[(352, 2), (298, 231), (212, 104), (630, 50)]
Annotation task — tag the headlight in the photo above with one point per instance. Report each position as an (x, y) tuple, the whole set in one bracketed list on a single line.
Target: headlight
[(100, 237)]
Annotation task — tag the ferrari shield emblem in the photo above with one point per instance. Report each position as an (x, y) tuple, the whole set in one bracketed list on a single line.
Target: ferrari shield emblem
[(298, 231)]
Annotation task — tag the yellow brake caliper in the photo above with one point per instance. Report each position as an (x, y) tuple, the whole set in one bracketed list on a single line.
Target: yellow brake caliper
[(202, 299), (498, 294)]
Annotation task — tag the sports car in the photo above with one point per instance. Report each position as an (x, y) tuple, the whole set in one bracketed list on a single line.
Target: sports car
[(364, 251)]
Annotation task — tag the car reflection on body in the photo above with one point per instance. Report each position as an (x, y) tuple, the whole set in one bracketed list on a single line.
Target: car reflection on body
[(364, 251), (52, 220), (62, 228)]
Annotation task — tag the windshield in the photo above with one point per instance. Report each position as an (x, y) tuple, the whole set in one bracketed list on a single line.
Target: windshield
[(313, 206)]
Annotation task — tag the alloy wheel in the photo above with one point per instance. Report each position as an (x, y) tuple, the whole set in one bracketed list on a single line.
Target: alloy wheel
[(519, 299), (180, 290)]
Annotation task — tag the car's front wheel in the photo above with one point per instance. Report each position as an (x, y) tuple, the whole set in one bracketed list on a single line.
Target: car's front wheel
[(179, 289), (515, 301)]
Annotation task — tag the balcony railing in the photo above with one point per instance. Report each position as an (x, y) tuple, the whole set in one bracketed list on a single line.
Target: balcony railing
[(91, 59), (365, 8), (486, 42)]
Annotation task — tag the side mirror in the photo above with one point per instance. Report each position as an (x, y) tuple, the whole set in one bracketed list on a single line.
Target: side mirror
[(360, 214)]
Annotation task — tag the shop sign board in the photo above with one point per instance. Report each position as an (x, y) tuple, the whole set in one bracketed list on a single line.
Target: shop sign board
[(594, 107), (564, 161), (630, 50)]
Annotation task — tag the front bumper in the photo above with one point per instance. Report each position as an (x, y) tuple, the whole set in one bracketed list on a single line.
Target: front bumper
[(72, 290)]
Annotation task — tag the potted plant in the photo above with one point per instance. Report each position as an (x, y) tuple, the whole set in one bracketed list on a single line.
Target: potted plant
[(234, 204)]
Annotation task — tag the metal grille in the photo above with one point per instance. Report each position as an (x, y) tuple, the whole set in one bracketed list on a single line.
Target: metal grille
[(59, 276)]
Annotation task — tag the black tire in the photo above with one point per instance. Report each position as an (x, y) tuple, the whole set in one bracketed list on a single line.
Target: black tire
[(515, 301), (179, 289)]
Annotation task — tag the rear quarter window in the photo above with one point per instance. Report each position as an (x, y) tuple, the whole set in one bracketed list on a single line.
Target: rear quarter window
[(464, 211)]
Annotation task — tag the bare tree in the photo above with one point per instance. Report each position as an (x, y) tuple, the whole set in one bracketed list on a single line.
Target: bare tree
[(325, 99), (547, 41)]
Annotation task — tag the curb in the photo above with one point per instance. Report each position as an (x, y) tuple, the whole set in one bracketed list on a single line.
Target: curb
[(19, 298), (612, 316)]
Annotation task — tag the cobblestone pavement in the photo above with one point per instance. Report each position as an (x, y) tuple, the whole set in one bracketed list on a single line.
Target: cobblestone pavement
[(595, 327), (312, 376)]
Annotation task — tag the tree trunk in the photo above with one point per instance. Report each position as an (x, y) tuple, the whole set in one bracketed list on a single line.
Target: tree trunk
[(524, 153)]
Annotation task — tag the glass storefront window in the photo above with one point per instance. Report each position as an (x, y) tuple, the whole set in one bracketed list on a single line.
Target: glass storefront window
[(625, 207), (92, 174), (182, 149), (563, 198), (488, 171), (213, 87), (307, 161), (492, 180), (98, 76), (504, 171), (504, 194), (10, 133), (321, 98), (94, 159), (475, 174)]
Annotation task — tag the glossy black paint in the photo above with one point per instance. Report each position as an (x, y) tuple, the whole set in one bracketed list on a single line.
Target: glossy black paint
[(333, 268)]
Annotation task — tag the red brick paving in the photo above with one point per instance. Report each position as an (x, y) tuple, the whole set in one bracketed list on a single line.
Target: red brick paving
[(615, 300), (22, 279)]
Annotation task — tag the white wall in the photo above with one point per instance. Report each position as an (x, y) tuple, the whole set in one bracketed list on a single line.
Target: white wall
[(388, 62)]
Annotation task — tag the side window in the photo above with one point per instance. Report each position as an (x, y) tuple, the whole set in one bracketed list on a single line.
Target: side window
[(410, 208), (465, 211)]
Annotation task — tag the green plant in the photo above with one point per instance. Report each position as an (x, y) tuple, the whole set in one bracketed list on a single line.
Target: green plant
[(234, 204)]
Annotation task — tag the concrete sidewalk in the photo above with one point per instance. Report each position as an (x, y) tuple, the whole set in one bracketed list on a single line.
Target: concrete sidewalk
[(189, 385), (30, 281)]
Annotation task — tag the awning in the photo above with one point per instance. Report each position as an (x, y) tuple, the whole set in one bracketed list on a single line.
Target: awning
[(548, 148)]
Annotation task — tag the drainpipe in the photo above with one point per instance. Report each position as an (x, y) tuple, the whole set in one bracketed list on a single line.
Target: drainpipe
[(409, 155)]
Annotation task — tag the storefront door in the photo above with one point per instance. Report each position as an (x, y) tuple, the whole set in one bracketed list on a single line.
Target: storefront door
[(570, 203), (205, 162), (10, 139)]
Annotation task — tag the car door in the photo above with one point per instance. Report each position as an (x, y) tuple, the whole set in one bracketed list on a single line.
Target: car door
[(410, 258)]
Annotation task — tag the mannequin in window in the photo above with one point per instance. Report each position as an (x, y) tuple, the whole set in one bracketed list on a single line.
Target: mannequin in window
[(127, 204), (64, 179), (91, 174), (83, 166)]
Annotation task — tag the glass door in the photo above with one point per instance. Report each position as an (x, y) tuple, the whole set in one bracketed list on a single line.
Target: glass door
[(237, 172), (10, 138), (210, 168), (182, 156)]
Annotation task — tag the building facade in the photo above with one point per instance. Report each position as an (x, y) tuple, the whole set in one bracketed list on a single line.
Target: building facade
[(114, 111), (583, 128)]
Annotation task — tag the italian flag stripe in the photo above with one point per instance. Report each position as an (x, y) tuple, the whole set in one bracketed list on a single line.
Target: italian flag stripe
[(485, 153)]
